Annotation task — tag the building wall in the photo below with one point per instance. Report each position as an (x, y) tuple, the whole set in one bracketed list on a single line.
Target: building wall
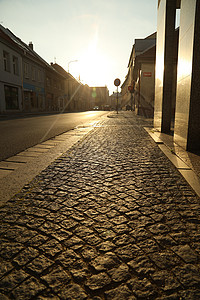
[(187, 124), (10, 79), (100, 96), (33, 85), (126, 95), (113, 101), (76, 95), (148, 82), (23, 78), (186, 81), (54, 90), (165, 57), (143, 101), (160, 46)]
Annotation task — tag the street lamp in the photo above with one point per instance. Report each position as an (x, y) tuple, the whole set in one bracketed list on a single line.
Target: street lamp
[(68, 84), (70, 63)]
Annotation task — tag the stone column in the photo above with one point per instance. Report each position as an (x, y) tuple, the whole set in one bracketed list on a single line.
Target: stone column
[(187, 117), (164, 64)]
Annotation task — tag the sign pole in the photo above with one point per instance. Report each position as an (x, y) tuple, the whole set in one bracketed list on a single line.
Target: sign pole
[(117, 99), (131, 101), (117, 83)]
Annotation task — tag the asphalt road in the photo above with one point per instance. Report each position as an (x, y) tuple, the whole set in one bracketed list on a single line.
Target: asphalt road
[(19, 134)]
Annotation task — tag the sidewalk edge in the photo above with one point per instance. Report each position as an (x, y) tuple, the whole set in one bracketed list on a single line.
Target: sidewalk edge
[(187, 172)]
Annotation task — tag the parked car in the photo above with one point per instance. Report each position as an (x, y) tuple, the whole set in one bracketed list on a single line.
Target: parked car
[(96, 108), (106, 107)]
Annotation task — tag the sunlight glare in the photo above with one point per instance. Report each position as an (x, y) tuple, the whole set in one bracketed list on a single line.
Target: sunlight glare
[(92, 64)]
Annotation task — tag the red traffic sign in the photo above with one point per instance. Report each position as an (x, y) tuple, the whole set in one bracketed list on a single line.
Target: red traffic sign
[(147, 74), (130, 88), (117, 82)]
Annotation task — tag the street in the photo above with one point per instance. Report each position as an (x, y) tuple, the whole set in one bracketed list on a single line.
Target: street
[(111, 218), (19, 134)]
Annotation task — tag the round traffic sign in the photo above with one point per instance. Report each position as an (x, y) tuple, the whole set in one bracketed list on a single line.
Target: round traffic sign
[(117, 82)]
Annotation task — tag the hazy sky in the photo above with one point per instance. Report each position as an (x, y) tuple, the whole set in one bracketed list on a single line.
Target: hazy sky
[(97, 33)]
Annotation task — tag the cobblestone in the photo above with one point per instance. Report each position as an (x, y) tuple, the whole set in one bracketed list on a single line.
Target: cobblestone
[(96, 282), (110, 219)]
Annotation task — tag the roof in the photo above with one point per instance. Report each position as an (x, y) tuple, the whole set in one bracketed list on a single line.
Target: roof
[(149, 52), (142, 44), (151, 36), (24, 47), (13, 38), (63, 72), (178, 3)]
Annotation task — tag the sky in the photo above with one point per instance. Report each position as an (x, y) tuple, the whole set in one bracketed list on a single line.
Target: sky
[(92, 39)]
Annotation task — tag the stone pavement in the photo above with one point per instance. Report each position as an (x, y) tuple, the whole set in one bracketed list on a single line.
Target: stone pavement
[(111, 218)]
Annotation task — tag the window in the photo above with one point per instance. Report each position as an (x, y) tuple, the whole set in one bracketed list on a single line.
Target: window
[(11, 97), (48, 81), (33, 73), (39, 76), (15, 65), (6, 61), (177, 22), (26, 70)]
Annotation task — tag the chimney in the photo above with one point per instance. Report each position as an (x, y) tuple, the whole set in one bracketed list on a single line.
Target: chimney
[(30, 45)]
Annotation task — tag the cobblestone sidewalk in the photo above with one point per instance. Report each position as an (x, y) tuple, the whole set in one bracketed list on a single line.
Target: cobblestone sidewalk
[(110, 219)]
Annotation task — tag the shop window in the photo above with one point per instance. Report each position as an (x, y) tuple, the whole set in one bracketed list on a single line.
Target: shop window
[(11, 97), (6, 61)]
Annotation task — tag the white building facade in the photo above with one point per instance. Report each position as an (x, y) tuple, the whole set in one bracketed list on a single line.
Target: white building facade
[(10, 78)]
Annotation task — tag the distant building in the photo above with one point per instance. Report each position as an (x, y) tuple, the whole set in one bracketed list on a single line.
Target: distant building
[(113, 101), (33, 77), (77, 95), (100, 96), (54, 90), (141, 77)]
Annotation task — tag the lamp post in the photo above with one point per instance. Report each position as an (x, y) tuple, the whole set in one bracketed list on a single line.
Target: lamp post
[(71, 61)]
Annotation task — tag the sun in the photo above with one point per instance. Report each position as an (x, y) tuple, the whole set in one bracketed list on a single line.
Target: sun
[(92, 64)]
